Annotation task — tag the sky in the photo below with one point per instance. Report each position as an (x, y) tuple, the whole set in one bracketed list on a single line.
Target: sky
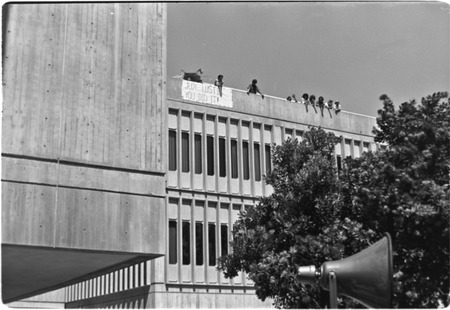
[(348, 51)]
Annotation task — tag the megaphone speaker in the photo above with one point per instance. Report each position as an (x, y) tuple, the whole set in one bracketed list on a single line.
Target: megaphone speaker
[(365, 276)]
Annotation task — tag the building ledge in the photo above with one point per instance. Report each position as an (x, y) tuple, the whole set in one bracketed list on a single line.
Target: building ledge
[(235, 100)]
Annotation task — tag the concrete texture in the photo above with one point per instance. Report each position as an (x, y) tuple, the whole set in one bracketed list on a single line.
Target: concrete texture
[(83, 158), (84, 83)]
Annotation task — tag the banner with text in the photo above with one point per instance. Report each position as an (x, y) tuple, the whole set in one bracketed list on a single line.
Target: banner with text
[(206, 93)]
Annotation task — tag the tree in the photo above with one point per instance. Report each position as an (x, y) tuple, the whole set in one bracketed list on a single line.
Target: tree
[(302, 223), (405, 191), (315, 215)]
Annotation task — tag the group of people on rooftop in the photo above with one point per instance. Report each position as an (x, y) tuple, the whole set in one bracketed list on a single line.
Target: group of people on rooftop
[(306, 99), (254, 89)]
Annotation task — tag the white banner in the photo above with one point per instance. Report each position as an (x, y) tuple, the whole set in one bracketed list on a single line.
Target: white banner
[(206, 93)]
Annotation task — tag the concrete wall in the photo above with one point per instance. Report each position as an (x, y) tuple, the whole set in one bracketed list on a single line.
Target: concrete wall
[(83, 219), (83, 82), (83, 131), (82, 143), (50, 300)]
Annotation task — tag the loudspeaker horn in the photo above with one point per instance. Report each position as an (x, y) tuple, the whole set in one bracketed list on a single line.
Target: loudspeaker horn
[(365, 276)]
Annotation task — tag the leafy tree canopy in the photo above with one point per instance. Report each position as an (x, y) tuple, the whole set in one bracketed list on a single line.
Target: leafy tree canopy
[(316, 214), (405, 191)]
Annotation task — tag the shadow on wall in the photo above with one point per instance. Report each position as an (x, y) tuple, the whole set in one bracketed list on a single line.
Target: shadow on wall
[(130, 299)]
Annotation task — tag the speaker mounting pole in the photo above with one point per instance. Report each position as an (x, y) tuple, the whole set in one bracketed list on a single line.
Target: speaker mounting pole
[(333, 289)]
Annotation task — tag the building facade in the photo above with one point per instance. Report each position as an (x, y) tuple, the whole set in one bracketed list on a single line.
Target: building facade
[(126, 183), (219, 149)]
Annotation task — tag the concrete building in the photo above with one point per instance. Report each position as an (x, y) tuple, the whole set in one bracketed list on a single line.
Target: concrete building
[(120, 186)]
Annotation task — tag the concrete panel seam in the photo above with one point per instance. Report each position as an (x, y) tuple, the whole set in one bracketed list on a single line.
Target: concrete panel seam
[(85, 188), (81, 164)]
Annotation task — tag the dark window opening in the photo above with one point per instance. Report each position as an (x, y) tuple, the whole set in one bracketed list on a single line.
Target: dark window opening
[(172, 242), (222, 158), (289, 134), (210, 154), (339, 163), (212, 244), (172, 150), (186, 243), (198, 244), (185, 152), (224, 239), (366, 147), (245, 156), (198, 153), (234, 159), (268, 159), (257, 161)]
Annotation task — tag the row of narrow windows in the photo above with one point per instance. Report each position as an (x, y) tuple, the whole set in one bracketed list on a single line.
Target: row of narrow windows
[(210, 156), (234, 152), (198, 243)]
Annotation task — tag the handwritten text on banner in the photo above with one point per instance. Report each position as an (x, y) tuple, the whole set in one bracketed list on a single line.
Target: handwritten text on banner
[(206, 93)]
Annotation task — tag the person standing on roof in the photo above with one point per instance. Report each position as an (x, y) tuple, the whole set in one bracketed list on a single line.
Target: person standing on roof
[(253, 88), (219, 83)]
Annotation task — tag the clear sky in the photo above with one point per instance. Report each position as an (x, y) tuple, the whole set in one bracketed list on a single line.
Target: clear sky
[(347, 51)]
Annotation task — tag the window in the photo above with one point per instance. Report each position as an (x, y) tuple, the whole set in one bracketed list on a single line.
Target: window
[(268, 158), (198, 153), (172, 150), (222, 158), (185, 152), (339, 163), (234, 159), (257, 161), (186, 243), (366, 147), (172, 242), (212, 244), (289, 133), (245, 156), (198, 244), (224, 239), (210, 154)]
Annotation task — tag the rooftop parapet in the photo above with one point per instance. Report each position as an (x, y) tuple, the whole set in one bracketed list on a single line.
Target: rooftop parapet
[(237, 100)]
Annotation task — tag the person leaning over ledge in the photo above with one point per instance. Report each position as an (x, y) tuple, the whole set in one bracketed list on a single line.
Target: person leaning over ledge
[(253, 88), (337, 106), (305, 98), (321, 103)]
